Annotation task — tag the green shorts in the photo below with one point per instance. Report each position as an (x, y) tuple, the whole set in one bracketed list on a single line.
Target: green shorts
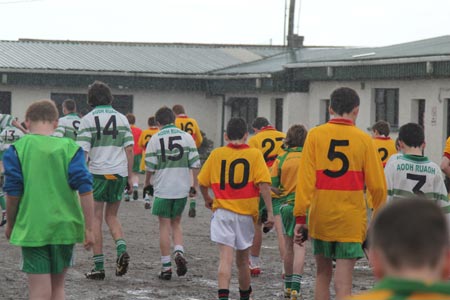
[(109, 188), (287, 218), (49, 259), (137, 164), (276, 204), (168, 208), (337, 250)]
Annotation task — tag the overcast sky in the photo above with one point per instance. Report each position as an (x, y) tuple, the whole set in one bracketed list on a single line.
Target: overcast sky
[(322, 22)]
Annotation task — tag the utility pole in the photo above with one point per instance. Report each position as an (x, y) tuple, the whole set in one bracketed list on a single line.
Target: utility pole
[(293, 40)]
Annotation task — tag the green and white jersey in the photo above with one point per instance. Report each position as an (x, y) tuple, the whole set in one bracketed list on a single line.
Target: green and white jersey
[(68, 126), (170, 154), (5, 121), (8, 136), (104, 134), (408, 175)]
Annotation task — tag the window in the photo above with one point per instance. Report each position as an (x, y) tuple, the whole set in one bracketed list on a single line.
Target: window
[(386, 106), (5, 102), (122, 103), (324, 112), (418, 111), (246, 108), (279, 114)]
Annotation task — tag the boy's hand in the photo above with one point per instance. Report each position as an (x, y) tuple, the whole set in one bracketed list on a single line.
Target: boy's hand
[(277, 191), (88, 239), (268, 224), (129, 187), (8, 230), (300, 234), (148, 189), (192, 192), (208, 202)]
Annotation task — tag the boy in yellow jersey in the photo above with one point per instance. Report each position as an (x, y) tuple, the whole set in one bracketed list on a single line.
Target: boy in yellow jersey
[(237, 175), (445, 163), (338, 160), (284, 181), (190, 126), (143, 141), (383, 143), (406, 266), (269, 141)]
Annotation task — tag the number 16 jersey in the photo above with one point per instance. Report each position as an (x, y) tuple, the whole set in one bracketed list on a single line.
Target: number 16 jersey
[(104, 133)]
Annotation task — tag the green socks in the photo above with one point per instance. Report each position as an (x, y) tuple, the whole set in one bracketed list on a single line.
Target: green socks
[(287, 281), (192, 203), (166, 263), (99, 262), (121, 246), (2, 201), (296, 282), (224, 294)]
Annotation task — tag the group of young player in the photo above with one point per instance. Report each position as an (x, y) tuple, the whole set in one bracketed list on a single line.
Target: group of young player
[(323, 185)]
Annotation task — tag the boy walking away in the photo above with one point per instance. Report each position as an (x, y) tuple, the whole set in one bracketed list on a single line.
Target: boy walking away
[(143, 141), (136, 131), (45, 218), (106, 138), (190, 126), (269, 141), (237, 175), (406, 266), (171, 155), (338, 160), (69, 124), (412, 173), (383, 143), (284, 174)]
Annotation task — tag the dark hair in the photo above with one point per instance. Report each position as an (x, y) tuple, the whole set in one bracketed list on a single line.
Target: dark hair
[(131, 118), (260, 122), (164, 116), (178, 109), (382, 127), (236, 129), (99, 94), (343, 100), (42, 111), (70, 105), (411, 134), (295, 136), (151, 121), (410, 232)]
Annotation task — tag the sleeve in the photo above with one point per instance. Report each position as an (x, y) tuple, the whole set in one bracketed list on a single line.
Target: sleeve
[(262, 174), (198, 134), (194, 158), (13, 173), (60, 130), (141, 141), (3, 146), (204, 177), (151, 160), (306, 179), (253, 143), (84, 136), (128, 140), (441, 192), (79, 177), (274, 173), (374, 176), (389, 175), (447, 148)]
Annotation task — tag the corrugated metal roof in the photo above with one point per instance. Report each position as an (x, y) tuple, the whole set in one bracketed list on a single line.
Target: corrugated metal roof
[(127, 57)]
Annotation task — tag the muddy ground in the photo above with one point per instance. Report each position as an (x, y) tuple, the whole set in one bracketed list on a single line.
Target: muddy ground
[(141, 282)]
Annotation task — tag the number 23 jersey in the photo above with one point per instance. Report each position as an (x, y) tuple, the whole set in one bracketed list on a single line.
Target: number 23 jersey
[(104, 133)]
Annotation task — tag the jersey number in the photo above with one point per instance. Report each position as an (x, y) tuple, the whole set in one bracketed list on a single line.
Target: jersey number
[(9, 135), (271, 146), (172, 145), (76, 125), (232, 171), (383, 152), (333, 154), (421, 179), (187, 127), (110, 127)]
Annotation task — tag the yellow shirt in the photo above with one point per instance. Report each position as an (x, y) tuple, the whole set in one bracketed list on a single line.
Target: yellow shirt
[(284, 172), (190, 126), (269, 141), (337, 160), (447, 148), (143, 140), (385, 147)]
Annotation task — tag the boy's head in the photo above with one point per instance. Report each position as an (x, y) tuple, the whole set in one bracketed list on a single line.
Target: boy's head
[(151, 121), (381, 128), (344, 101), (410, 235), (259, 123), (411, 135), (178, 109), (236, 129), (131, 118), (295, 136), (44, 111), (69, 106), (99, 94), (164, 116)]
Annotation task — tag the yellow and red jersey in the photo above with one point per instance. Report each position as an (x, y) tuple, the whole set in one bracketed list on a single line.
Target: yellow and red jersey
[(385, 147), (233, 173), (190, 126), (447, 148), (337, 160), (269, 141), (136, 131), (284, 172), (143, 141)]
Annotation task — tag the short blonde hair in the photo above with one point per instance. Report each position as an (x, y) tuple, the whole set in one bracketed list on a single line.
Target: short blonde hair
[(42, 110)]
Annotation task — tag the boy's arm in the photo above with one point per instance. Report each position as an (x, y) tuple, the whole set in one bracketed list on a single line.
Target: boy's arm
[(18, 125), (264, 189), (87, 205), (130, 160), (205, 194), (198, 135), (12, 205)]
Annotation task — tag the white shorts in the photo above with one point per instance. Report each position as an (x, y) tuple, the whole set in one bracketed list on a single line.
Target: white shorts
[(232, 229)]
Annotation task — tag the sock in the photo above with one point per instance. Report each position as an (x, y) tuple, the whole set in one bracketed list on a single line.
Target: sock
[(296, 282), (2, 201), (192, 202), (178, 249), (99, 262), (135, 186), (223, 294), (121, 246), (254, 260), (287, 281), (245, 295), (166, 263)]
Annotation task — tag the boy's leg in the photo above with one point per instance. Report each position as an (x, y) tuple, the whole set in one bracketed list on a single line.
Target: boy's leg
[(164, 247), (39, 286), (343, 278), (243, 273), (288, 265), (98, 272), (224, 272), (57, 282), (177, 235), (255, 251), (280, 236), (192, 201), (324, 271)]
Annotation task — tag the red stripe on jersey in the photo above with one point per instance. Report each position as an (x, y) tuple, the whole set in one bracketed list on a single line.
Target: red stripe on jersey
[(447, 155), (342, 121), (384, 164), (350, 181), (229, 193), (270, 160)]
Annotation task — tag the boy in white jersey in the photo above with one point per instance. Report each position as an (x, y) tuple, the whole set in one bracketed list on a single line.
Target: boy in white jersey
[(69, 124), (412, 173), (170, 155), (106, 138)]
